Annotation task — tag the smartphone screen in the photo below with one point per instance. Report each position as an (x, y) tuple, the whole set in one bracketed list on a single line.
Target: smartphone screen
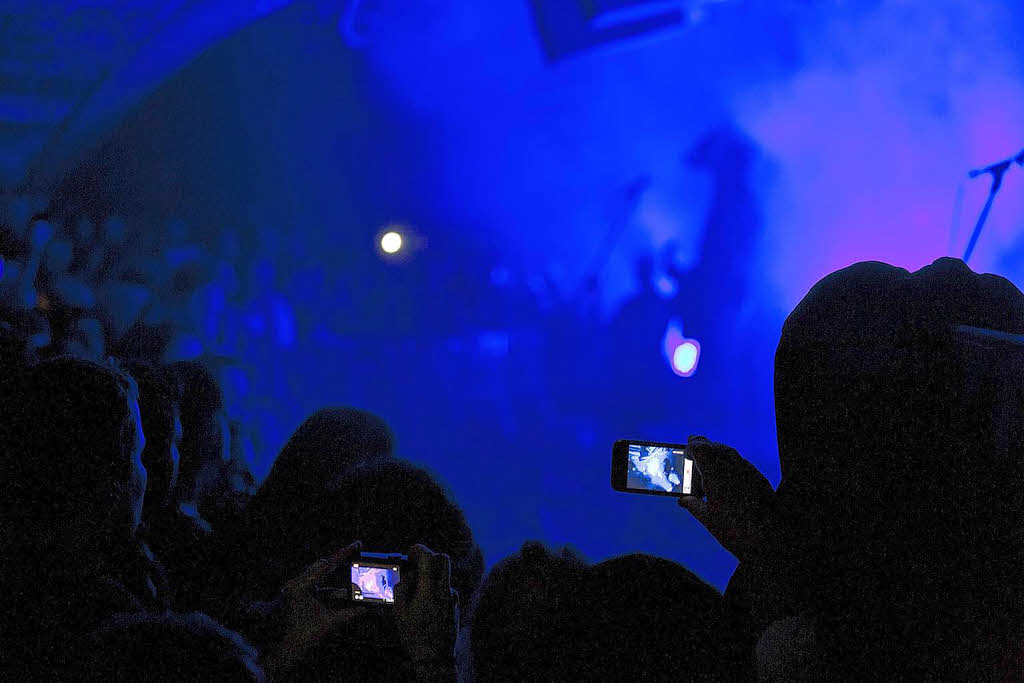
[(373, 582), (654, 468)]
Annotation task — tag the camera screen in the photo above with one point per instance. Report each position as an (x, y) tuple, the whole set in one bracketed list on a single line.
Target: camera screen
[(659, 468), (374, 583)]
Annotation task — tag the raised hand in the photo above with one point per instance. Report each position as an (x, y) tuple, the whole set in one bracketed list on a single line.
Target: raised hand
[(425, 609), (307, 619), (738, 509)]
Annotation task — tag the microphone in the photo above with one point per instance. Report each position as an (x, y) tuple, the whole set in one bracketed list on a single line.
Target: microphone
[(999, 168), (996, 169)]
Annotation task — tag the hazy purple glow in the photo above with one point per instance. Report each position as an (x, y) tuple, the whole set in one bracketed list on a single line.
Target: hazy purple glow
[(681, 353), (873, 139)]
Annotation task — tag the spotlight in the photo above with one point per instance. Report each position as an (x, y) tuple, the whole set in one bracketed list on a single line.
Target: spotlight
[(391, 242), (681, 352), (684, 358)]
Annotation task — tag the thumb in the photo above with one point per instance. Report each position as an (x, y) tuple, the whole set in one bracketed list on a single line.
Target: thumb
[(697, 507), (703, 453)]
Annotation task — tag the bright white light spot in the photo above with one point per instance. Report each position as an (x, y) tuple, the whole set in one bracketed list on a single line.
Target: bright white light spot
[(391, 242), (684, 358)]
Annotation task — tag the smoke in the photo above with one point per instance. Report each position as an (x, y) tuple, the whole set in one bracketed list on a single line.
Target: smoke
[(874, 135)]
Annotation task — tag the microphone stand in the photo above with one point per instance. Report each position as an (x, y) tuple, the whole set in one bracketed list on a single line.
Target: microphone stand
[(997, 170)]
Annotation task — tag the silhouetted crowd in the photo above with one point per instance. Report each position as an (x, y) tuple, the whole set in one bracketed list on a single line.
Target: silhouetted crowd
[(137, 546)]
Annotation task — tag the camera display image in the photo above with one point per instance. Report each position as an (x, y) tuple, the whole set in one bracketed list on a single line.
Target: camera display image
[(374, 583), (658, 468)]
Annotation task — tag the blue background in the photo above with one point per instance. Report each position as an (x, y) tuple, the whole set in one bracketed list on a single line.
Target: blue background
[(571, 194)]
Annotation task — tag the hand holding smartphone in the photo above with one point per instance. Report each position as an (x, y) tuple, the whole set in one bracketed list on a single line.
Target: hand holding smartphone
[(368, 580), (655, 468)]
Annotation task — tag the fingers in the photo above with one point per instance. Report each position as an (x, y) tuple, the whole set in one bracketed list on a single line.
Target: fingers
[(717, 462), (432, 571), (442, 574), (349, 552), (699, 448), (421, 558), (697, 507), (320, 569), (441, 568)]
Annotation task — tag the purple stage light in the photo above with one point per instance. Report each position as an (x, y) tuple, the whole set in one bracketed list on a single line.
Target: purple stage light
[(684, 358), (682, 353)]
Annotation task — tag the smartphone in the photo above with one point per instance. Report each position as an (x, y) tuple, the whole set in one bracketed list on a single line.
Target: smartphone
[(374, 578), (654, 468), (370, 580)]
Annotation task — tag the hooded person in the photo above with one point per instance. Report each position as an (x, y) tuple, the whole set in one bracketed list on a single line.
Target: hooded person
[(891, 536)]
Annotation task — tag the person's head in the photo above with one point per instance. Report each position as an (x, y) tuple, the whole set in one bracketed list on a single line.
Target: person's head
[(204, 440), (158, 403), (74, 460), (870, 386), (329, 443), (787, 650), (523, 618), (897, 469), (181, 647), (644, 616)]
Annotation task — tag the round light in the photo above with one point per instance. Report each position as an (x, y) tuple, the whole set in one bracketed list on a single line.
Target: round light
[(391, 242), (684, 358)]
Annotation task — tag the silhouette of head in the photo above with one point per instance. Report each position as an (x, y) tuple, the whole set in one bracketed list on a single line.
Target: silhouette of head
[(74, 456), (867, 369), (158, 403), (639, 615), (894, 471), (328, 444), (182, 647), (523, 620)]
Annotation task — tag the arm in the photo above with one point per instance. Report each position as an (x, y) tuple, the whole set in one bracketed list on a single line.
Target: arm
[(306, 620), (426, 615), (739, 508), (740, 511)]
